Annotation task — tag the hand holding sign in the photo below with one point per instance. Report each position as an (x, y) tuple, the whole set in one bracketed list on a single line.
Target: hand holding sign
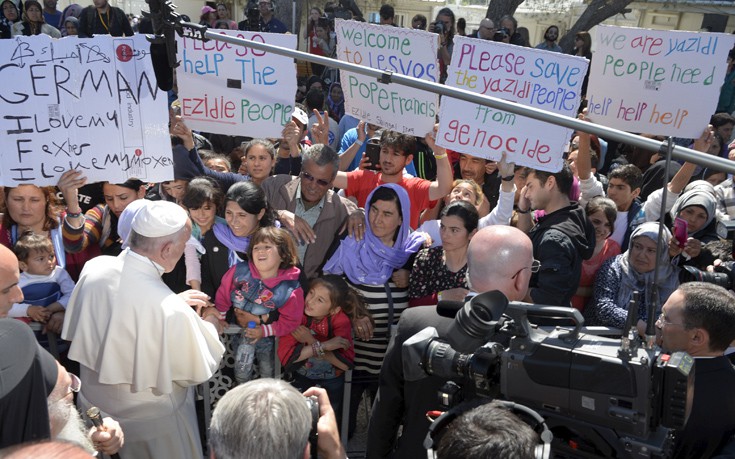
[(69, 184)]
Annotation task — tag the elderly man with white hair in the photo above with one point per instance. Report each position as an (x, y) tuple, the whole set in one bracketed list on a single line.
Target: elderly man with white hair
[(141, 348)]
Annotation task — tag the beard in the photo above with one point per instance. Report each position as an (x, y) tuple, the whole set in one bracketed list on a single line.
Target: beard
[(68, 425)]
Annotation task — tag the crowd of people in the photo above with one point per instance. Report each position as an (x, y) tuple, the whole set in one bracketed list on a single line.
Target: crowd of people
[(328, 259)]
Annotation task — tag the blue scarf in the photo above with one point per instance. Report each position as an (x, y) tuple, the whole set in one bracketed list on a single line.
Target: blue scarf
[(370, 261)]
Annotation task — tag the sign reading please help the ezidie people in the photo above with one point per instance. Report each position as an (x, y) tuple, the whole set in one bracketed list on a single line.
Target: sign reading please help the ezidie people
[(656, 82), (542, 79), (403, 51), (86, 104), (235, 90)]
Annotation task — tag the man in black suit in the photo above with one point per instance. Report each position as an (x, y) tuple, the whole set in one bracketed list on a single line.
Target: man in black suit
[(699, 318), (499, 258)]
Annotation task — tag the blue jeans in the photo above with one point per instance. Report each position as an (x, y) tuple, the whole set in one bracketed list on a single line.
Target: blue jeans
[(265, 356)]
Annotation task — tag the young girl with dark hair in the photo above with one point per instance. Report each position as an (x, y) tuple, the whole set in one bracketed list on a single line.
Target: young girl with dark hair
[(254, 290), (321, 349)]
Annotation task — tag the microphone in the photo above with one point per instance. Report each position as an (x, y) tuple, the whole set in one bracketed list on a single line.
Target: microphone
[(163, 42)]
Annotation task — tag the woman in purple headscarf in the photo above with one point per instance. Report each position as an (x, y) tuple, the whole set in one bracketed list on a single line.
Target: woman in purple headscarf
[(368, 266), (72, 11)]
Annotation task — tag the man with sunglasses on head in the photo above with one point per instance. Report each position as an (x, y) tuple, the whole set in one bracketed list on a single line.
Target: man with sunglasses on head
[(308, 206), (562, 238), (699, 319), (498, 258)]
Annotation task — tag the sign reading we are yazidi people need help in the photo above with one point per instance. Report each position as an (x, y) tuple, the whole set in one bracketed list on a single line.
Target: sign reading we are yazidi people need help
[(86, 104), (403, 51), (654, 81), (235, 90), (542, 79)]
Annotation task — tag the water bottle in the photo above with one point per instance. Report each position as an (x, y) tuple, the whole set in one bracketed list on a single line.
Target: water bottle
[(244, 357)]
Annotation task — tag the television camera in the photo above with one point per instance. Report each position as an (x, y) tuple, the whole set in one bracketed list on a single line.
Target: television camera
[(599, 396)]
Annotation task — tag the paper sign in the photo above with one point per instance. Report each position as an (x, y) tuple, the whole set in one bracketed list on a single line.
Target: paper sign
[(404, 51), (86, 104), (656, 82), (235, 90), (543, 79)]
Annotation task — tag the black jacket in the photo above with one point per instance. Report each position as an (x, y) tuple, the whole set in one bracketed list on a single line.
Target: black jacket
[(561, 241)]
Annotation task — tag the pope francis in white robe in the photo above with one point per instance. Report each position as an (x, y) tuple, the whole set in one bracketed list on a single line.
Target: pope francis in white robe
[(141, 349)]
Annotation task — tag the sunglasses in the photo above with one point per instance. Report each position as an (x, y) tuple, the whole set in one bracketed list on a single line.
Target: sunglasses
[(311, 178)]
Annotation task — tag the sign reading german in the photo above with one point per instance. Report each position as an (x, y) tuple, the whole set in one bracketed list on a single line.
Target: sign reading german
[(86, 104)]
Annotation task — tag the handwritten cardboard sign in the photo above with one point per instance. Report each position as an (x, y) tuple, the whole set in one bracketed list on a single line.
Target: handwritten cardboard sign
[(235, 90), (89, 104), (656, 82), (542, 79), (403, 51)]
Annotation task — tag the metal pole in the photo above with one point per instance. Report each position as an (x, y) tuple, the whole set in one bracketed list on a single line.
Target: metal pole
[(678, 152), (661, 245)]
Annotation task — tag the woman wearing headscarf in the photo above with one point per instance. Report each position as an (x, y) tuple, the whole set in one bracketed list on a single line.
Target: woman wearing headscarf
[(697, 205), (70, 15), (10, 15), (336, 101), (33, 22), (368, 266), (633, 271)]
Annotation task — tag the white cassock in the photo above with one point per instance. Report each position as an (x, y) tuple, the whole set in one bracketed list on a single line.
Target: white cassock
[(141, 350)]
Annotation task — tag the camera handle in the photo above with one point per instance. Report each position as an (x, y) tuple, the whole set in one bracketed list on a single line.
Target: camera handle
[(519, 312)]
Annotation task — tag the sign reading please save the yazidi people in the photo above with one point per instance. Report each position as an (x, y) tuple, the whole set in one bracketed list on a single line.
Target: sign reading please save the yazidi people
[(542, 79)]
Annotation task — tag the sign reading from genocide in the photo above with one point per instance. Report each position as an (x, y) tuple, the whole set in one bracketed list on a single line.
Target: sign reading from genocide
[(91, 105), (656, 82), (403, 51), (542, 79), (235, 90)]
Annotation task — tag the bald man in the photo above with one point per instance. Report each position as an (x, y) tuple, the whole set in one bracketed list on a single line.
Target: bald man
[(10, 293), (499, 258), (486, 30)]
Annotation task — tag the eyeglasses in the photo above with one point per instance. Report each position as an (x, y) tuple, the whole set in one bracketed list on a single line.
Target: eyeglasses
[(535, 266), (76, 384), (311, 178), (664, 321)]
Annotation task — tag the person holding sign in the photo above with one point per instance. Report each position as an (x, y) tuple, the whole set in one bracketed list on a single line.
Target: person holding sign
[(396, 152), (10, 15), (103, 19), (33, 22), (98, 226)]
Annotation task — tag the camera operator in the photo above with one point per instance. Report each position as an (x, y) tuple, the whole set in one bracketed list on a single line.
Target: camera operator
[(699, 318), (498, 258), (488, 430), (269, 418), (268, 23), (444, 26)]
